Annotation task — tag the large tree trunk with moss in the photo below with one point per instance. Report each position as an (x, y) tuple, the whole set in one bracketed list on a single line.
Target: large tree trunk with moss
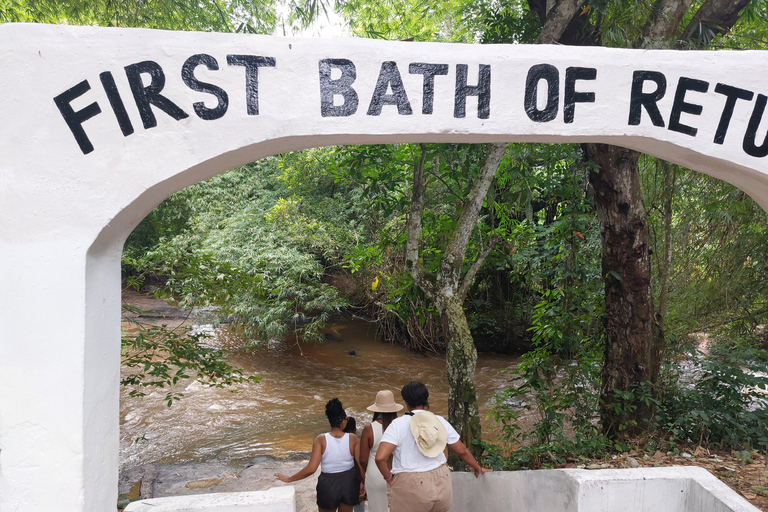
[(630, 357), (460, 362)]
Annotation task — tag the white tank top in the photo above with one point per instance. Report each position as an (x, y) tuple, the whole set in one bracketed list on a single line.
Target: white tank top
[(336, 457), (377, 431)]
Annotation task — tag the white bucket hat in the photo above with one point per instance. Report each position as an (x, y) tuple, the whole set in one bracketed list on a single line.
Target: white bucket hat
[(430, 435), (385, 402)]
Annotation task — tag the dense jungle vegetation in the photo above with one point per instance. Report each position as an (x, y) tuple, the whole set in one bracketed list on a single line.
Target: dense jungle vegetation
[(539, 267)]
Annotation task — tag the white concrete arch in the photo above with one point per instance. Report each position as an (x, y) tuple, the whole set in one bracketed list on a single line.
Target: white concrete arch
[(98, 126)]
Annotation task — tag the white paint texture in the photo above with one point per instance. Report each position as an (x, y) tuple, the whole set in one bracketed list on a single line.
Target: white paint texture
[(671, 489), (64, 215), (277, 499)]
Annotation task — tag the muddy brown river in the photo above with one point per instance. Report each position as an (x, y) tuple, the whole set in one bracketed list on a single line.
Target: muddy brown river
[(281, 415)]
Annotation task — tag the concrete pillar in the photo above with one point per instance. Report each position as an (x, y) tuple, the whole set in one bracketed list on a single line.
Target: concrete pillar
[(59, 377)]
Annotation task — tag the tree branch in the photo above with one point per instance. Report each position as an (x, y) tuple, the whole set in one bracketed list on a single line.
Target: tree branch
[(718, 15), (664, 22), (473, 270), (558, 19), (453, 257), (413, 264)]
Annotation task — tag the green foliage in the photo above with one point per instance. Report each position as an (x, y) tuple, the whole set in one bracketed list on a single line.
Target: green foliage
[(719, 256), (256, 252), (495, 22), (719, 398), (254, 16), (158, 357)]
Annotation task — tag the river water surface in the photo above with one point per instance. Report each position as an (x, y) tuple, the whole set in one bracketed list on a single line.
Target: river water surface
[(282, 414)]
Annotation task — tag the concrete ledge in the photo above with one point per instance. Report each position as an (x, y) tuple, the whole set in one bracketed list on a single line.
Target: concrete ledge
[(671, 489), (277, 499)]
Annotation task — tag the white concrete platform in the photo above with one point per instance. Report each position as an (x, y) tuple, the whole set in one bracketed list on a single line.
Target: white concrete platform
[(277, 499), (669, 489)]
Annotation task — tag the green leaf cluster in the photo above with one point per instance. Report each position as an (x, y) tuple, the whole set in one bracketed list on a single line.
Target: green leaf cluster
[(158, 357), (257, 252), (252, 16)]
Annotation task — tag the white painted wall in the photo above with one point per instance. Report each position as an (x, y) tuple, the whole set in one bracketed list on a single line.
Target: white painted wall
[(276, 499), (670, 489), (65, 214)]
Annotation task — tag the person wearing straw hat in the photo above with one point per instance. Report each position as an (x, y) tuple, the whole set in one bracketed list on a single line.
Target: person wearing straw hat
[(384, 412), (419, 480)]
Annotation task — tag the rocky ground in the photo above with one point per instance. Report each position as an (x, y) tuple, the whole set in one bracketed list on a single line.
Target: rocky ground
[(180, 479)]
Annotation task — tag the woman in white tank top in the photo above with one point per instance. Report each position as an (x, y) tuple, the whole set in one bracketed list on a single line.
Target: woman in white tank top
[(384, 411), (336, 453)]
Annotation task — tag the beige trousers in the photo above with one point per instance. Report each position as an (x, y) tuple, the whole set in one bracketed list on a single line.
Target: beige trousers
[(429, 491)]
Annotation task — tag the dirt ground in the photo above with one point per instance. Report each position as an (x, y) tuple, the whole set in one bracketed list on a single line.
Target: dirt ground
[(747, 477)]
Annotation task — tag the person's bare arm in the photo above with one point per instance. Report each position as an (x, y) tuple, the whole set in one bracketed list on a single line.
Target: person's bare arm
[(366, 443), (356, 456), (312, 465), (464, 454), (382, 454)]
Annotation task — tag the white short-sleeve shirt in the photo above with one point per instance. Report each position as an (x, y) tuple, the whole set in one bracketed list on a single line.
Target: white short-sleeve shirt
[(407, 458)]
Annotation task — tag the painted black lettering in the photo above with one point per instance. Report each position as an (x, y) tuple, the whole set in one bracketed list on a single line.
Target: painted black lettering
[(389, 76), (188, 75), (118, 107), (732, 94), (680, 105), (150, 95), (536, 74), (648, 100), (429, 71), (341, 86), (74, 119), (252, 63), (754, 123), (571, 96), (482, 90)]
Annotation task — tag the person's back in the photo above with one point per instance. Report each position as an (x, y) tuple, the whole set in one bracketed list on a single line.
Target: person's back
[(385, 411), (338, 487), (375, 486), (419, 478), (337, 457)]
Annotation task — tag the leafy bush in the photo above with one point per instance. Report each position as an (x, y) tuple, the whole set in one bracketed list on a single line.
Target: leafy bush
[(256, 252), (719, 398)]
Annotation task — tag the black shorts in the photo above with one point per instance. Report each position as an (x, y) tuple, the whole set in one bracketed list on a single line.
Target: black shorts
[(335, 488)]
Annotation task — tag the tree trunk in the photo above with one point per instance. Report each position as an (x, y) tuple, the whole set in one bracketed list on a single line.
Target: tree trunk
[(629, 353), (449, 290), (460, 362)]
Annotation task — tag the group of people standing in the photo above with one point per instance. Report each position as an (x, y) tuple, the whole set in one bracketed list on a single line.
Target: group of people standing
[(399, 462)]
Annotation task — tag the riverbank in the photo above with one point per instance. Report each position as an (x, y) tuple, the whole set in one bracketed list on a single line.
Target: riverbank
[(237, 441), (182, 479)]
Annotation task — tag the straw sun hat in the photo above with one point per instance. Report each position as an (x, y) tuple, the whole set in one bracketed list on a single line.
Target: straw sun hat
[(430, 435), (385, 402)]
